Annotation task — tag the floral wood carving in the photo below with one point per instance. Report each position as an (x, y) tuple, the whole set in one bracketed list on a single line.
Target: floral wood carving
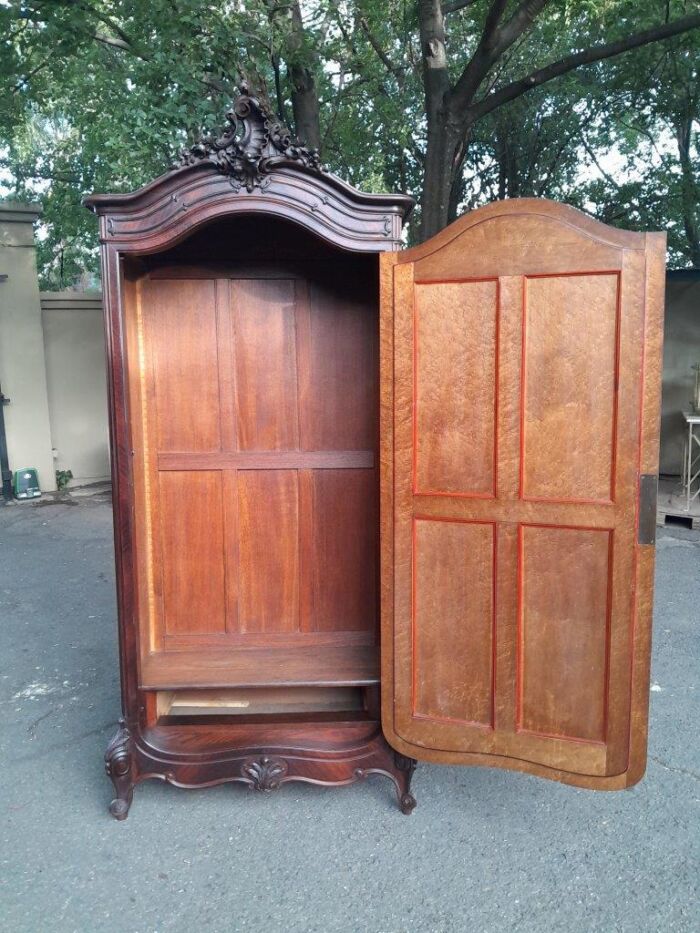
[(264, 774), (251, 146)]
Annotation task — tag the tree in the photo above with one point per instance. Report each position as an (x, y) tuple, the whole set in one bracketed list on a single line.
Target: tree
[(453, 107), (652, 124), (455, 101)]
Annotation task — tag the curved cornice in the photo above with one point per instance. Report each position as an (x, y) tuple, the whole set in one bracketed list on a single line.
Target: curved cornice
[(169, 208)]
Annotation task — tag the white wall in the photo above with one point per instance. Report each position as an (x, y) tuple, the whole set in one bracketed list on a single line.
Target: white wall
[(681, 351), (22, 363), (77, 383)]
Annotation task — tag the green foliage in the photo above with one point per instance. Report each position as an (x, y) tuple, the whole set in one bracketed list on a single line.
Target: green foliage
[(99, 96), (63, 477)]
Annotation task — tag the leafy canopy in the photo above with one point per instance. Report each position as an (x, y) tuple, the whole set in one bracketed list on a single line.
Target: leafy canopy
[(99, 96)]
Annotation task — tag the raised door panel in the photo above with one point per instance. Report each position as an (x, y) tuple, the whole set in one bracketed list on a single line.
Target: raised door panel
[(515, 595), (563, 619), (456, 332), (569, 381), (453, 624)]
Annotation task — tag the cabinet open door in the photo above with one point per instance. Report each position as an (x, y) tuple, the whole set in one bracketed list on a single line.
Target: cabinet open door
[(520, 381)]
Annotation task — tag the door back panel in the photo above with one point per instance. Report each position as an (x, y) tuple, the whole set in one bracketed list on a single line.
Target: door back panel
[(520, 382)]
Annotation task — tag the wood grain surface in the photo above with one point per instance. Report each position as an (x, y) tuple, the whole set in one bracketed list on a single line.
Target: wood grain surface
[(257, 457), (518, 621)]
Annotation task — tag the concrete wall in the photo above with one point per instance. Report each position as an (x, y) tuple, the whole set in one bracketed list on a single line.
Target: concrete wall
[(681, 351), (77, 383), (22, 362)]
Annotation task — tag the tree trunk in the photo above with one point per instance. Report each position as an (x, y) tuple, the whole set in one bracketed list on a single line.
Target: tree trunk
[(305, 106), (441, 141), (457, 187), (437, 180), (689, 190)]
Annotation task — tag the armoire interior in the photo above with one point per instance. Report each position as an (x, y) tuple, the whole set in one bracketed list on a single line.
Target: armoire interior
[(254, 418)]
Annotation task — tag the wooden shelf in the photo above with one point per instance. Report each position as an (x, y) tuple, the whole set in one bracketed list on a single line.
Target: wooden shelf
[(326, 666)]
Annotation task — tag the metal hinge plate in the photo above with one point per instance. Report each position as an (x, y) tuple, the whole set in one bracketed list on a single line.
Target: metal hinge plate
[(646, 527)]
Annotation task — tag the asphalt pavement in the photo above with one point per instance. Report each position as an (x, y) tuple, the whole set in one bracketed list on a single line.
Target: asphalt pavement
[(485, 851)]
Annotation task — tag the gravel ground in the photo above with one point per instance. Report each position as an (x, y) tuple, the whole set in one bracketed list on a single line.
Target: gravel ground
[(484, 850)]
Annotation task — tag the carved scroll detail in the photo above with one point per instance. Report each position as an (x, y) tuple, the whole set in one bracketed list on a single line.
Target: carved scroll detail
[(251, 146), (118, 763), (264, 774)]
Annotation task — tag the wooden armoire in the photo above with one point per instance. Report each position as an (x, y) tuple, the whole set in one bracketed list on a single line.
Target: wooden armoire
[(375, 505)]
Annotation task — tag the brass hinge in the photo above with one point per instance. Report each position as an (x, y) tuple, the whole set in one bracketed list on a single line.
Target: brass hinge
[(646, 525)]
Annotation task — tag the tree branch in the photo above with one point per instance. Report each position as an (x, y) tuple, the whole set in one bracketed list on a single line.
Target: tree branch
[(115, 43), (594, 159), (519, 23), (107, 21), (381, 54), (436, 81), (492, 45), (587, 57), (456, 6)]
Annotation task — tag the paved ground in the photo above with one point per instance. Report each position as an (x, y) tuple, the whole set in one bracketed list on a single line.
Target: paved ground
[(484, 851)]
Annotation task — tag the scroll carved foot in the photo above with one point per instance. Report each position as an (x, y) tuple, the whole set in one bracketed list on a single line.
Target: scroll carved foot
[(406, 767), (118, 765)]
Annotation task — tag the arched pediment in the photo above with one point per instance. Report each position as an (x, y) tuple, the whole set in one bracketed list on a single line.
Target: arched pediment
[(253, 166)]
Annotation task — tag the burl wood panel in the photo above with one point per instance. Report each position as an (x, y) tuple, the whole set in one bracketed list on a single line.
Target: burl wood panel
[(577, 421), (456, 327), (192, 553), (564, 611), (180, 321), (264, 340), (569, 383), (268, 570), (453, 621)]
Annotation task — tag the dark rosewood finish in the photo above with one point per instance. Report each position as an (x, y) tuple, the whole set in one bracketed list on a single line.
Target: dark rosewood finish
[(259, 181), (263, 757)]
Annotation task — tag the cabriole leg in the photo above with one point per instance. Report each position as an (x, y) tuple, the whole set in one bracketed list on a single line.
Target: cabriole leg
[(118, 765), (406, 766)]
